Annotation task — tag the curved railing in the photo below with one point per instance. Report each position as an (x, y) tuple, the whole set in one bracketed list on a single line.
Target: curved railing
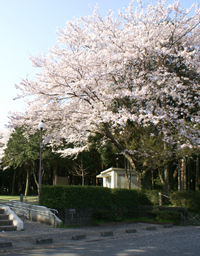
[(25, 210)]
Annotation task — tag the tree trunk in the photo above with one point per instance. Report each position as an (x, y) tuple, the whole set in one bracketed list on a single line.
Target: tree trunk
[(140, 175), (127, 167), (55, 171), (152, 180), (166, 180), (83, 178), (27, 182), (160, 174), (35, 179), (197, 174), (166, 174), (185, 176), (188, 180), (13, 184), (179, 178), (120, 147), (129, 177), (182, 176)]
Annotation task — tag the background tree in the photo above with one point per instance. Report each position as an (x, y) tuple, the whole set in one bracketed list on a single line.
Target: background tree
[(142, 67), (21, 152)]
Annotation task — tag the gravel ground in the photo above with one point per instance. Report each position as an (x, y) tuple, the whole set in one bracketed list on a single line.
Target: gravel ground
[(26, 240)]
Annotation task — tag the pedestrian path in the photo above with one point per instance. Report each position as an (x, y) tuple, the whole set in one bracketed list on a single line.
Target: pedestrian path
[(37, 235)]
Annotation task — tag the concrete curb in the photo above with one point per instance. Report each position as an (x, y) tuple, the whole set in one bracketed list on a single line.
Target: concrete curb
[(78, 237), (129, 231), (168, 226), (6, 244), (151, 228), (107, 233), (44, 241), (35, 238)]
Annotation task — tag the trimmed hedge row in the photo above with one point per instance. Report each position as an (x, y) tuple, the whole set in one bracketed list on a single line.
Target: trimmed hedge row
[(75, 197), (129, 198), (90, 196)]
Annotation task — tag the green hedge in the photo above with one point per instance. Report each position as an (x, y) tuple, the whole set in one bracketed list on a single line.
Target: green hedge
[(189, 199), (91, 196), (124, 197), (75, 197), (144, 198)]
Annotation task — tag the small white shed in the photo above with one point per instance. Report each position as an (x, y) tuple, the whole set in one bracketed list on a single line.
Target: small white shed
[(115, 178)]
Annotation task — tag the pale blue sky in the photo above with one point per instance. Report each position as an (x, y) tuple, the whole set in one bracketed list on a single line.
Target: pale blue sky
[(28, 27)]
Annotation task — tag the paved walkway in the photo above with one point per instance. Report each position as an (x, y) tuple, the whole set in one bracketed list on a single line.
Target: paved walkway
[(26, 240)]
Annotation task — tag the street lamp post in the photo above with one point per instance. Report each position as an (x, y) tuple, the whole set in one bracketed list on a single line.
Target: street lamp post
[(41, 127)]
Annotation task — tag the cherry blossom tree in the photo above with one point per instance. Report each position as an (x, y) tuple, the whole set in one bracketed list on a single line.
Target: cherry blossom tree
[(141, 67), (4, 137)]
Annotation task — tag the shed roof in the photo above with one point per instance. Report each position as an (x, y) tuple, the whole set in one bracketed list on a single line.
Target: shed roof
[(107, 172)]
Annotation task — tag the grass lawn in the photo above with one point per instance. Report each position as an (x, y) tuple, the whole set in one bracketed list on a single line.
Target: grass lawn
[(27, 199)]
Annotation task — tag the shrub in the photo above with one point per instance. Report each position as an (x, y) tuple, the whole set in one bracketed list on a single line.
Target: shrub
[(143, 198), (52, 196), (75, 197), (91, 196), (189, 199), (170, 216), (124, 197), (152, 196), (104, 215)]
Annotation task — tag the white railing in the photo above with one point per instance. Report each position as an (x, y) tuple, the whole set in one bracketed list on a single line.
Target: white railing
[(17, 210), (30, 210)]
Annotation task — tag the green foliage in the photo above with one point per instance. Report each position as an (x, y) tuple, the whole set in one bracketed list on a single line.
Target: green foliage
[(123, 201), (105, 215), (21, 150), (86, 163), (158, 185), (143, 197), (152, 196), (52, 196), (124, 197), (155, 215), (75, 197), (110, 204), (188, 199), (90, 196), (107, 151), (169, 216)]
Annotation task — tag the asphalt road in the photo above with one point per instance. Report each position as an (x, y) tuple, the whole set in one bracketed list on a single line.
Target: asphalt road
[(181, 242)]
